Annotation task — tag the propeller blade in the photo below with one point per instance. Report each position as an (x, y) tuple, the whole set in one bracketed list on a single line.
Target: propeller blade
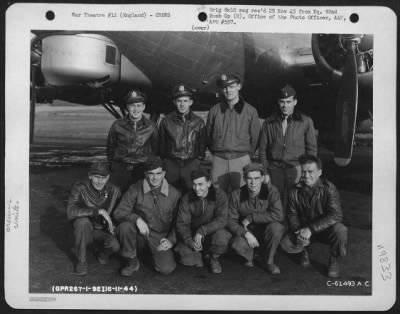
[(346, 108), (32, 105)]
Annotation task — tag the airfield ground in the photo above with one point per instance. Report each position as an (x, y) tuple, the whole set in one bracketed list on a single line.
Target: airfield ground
[(68, 138)]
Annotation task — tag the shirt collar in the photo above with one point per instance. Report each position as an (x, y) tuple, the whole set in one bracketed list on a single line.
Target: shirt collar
[(296, 115), (211, 195), (102, 193), (317, 185), (163, 190), (178, 116), (245, 195), (142, 121)]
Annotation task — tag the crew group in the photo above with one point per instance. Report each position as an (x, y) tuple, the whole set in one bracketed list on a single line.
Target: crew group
[(178, 209)]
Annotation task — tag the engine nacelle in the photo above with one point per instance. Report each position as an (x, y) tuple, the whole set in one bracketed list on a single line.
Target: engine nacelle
[(328, 52), (87, 58)]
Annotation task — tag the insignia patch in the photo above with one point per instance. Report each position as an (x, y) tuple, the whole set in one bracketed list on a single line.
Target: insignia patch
[(181, 88), (224, 77)]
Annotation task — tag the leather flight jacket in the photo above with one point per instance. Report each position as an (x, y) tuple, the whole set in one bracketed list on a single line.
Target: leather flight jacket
[(86, 201), (317, 209), (131, 143), (182, 137)]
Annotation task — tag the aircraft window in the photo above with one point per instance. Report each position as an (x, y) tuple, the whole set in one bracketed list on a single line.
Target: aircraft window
[(111, 53)]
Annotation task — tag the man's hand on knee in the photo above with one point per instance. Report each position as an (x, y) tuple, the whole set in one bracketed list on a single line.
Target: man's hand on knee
[(165, 245), (143, 227), (303, 236), (251, 240), (106, 216)]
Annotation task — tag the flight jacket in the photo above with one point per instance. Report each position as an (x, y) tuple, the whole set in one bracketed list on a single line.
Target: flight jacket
[(158, 211), (181, 137), (203, 216), (300, 138), (318, 213), (85, 201), (233, 133), (131, 142), (267, 208)]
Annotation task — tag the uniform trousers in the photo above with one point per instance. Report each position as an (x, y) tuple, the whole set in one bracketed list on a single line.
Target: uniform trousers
[(227, 174), (284, 179), (214, 244), (177, 172), (84, 234), (123, 174), (268, 236), (131, 240), (335, 236)]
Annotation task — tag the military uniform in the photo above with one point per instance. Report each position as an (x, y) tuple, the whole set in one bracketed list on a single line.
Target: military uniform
[(157, 208), (281, 144), (206, 216), (265, 214), (232, 138), (182, 142), (129, 144), (319, 209), (83, 212)]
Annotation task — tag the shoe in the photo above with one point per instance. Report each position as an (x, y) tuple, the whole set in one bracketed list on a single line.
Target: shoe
[(304, 259), (249, 263), (333, 268), (199, 263), (273, 269), (103, 258), (215, 266), (81, 268), (133, 266)]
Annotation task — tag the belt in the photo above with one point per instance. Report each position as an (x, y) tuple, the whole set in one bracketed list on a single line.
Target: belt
[(283, 165), (126, 165), (182, 162)]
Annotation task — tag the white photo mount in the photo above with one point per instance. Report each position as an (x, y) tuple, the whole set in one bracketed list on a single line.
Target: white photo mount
[(21, 290)]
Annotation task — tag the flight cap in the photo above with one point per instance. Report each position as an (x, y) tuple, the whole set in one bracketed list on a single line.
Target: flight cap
[(134, 96), (286, 92), (199, 173), (225, 80), (182, 90), (152, 163), (254, 166), (101, 168), (290, 245)]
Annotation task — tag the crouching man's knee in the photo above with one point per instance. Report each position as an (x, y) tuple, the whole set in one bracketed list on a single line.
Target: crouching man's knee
[(274, 230), (82, 224), (114, 245), (340, 230), (166, 269), (338, 239), (126, 227), (221, 237)]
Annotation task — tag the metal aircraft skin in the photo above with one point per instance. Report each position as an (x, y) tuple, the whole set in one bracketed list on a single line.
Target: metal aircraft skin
[(332, 73)]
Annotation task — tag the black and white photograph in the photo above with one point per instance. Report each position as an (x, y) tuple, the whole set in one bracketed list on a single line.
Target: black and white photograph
[(210, 162)]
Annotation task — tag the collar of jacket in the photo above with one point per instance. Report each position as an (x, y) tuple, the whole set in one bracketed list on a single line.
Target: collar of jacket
[(297, 116), (177, 116), (244, 192), (97, 193), (211, 195), (238, 106), (163, 190), (319, 185), (142, 121)]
